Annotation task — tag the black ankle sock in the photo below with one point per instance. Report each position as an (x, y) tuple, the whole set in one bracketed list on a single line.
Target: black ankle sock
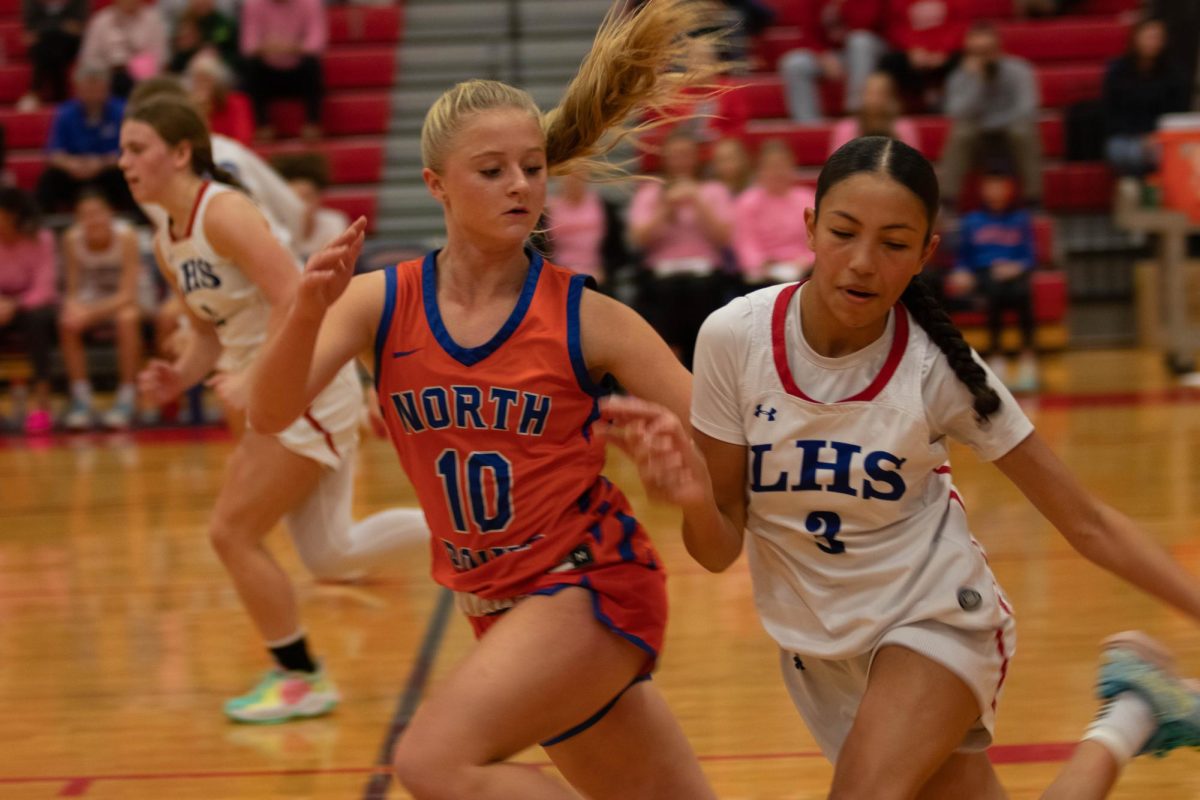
[(294, 656)]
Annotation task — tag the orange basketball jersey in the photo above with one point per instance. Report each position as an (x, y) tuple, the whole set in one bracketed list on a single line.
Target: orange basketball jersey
[(499, 440)]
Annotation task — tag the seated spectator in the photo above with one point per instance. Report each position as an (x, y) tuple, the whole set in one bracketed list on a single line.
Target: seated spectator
[(308, 176), (770, 238), (584, 231), (84, 145), (278, 202), (1139, 87), (925, 37), (282, 42), (992, 97), (879, 115), (203, 26), (730, 164), (210, 85), (127, 39), (27, 295), (995, 260), (52, 32), (104, 281), (682, 226), (843, 42)]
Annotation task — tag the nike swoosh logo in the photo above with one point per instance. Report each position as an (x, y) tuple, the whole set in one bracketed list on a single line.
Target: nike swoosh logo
[(403, 353)]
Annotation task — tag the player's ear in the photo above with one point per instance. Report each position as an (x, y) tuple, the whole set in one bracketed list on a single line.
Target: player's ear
[(434, 183)]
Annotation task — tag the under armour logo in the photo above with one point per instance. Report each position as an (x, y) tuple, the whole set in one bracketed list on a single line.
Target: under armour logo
[(759, 411), (799, 664)]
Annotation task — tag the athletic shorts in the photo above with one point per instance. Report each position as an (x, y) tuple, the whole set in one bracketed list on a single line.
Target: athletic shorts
[(327, 432), (628, 598), (828, 693)]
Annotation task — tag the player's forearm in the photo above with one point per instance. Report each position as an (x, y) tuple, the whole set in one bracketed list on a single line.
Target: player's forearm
[(710, 537), (279, 388), (199, 357), (1112, 541)]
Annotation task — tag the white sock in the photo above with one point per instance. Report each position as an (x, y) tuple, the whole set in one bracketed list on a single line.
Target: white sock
[(384, 538), (81, 392), (126, 394), (1123, 726)]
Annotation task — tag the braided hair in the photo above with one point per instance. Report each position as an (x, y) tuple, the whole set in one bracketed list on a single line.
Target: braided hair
[(909, 168)]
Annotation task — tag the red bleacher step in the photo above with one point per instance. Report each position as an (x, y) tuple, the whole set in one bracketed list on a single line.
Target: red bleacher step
[(349, 24), (355, 203), (350, 160), (344, 114)]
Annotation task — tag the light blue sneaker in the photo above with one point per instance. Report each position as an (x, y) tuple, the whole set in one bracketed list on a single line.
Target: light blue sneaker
[(281, 696), (1135, 662)]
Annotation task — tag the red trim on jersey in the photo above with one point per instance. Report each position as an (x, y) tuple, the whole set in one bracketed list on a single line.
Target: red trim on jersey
[(956, 498), (328, 436), (1003, 651), (944, 469), (779, 348), (192, 217)]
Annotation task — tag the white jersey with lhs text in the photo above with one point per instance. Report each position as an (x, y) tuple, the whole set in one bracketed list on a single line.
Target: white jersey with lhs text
[(853, 523), (215, 289)]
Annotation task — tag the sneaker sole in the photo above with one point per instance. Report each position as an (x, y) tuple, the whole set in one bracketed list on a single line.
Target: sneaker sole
[(305, 710)]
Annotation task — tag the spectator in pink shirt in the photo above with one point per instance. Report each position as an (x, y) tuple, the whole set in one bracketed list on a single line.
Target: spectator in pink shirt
[(577, 226), (128, 39), (879, 115), (282, 42), (730, 164), (682, 226), (769, 237), (27, 294)]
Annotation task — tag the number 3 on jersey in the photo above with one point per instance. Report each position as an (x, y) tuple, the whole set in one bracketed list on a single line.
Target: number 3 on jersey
[(488, 483), (827, 525)]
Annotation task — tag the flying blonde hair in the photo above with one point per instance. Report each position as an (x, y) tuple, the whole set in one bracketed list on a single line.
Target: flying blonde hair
[(641, 60)]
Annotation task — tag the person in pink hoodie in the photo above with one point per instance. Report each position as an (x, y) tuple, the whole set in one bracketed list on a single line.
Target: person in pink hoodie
[(27, 295), (769, 237)]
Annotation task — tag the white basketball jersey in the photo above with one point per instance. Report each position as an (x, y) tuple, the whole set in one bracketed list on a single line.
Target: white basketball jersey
[(214, 288), (853, 523), (99, 270)]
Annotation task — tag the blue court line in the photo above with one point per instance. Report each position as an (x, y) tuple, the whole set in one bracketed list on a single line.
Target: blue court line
[(380, 781)]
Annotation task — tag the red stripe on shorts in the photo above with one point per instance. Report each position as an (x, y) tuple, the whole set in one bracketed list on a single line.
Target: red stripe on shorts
[(328, 436), (1000, 648)]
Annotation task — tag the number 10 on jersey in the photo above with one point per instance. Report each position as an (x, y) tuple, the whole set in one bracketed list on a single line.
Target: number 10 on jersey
[(486, 477)]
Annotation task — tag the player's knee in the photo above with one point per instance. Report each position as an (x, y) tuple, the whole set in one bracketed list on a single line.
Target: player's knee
[(428, 774), (226, 538)]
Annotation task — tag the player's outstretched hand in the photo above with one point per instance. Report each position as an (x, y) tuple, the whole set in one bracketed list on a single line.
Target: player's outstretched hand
[(670, 466), (159, 382), (328, 271)]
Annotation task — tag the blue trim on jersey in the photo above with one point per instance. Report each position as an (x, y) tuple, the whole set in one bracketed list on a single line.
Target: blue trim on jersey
[(628, 529), (596, 532), (385, 320), (574, 343), (585, 500), (594, 718), (469, 356), (637, 641)]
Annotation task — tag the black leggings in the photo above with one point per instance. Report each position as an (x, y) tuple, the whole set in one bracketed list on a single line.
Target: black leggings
[(1015, 295), (35, 327)]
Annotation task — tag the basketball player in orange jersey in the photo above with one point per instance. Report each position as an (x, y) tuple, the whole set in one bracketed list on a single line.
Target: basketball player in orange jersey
[(489, 365), (232, 273)]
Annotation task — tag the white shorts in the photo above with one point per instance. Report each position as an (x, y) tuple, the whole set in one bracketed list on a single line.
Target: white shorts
[(828, 693), (327, 432)]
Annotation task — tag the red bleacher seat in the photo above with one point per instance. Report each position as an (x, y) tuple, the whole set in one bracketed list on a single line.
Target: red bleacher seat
[(350, 160), (1076, 186), (355, 203), (1049, 287), (344, 114), (26, 129), (14, 82), (11, 39), (1062, 85), (359, 67), (10, 8), (1094, 40), (787, 12), (1003, 9), (364, 24), (27, 168)]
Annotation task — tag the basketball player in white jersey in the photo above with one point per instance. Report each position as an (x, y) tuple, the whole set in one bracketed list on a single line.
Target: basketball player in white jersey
[(218, 252), (282, 207), (822, 414)]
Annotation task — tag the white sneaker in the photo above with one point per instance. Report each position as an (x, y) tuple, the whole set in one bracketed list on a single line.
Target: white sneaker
[(1026, 379), (119, 417), (79, 416)]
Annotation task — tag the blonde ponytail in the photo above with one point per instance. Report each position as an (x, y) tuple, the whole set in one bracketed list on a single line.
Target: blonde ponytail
[(641, 60)]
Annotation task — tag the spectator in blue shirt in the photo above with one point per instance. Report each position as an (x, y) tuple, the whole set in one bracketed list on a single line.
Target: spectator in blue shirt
[(84, 145), (995, 260)]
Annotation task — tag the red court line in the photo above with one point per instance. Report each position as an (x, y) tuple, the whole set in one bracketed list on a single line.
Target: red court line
[(78, 785)]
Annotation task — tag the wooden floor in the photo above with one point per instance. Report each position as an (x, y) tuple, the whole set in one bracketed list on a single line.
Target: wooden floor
[(120, 636)]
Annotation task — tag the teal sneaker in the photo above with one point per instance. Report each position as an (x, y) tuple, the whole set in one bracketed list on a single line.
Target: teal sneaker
[(281, 696), (1135, 662)]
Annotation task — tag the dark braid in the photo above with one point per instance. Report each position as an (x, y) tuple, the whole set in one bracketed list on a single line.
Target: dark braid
[(910, 169), (923, 304)]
